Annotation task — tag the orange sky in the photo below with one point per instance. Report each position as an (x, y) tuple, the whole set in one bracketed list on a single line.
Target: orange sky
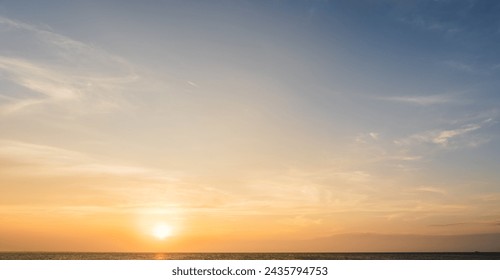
[(317, 126)]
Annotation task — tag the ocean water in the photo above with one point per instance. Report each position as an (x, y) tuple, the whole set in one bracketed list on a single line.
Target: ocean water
[(246, 256)]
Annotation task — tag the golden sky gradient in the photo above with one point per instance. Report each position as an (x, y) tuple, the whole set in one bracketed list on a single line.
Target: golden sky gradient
[(234, 126)]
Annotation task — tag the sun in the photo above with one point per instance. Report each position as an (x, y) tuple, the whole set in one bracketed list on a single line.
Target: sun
[(161, 231)]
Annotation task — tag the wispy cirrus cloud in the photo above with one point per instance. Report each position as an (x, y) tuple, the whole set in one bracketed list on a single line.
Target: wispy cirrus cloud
[(57, 71), (459, 66), (433, 190), (444, 137), (42, 160), (461, 136), (464, 224), (366, 137), (432, 25), (125, 185), (423, 100)]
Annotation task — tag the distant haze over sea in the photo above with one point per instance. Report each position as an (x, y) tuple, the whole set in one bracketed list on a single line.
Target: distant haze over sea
[(354, 242)]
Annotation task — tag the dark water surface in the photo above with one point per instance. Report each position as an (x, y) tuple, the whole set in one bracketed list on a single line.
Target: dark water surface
[(246, 256)]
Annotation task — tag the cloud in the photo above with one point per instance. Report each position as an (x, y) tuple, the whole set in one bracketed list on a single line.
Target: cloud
[(367, 137), (431, 190), (449, 225), (302, 221), (422, 100), (465, 224), (193, 84), (489, 198), (41, 160), (432, 25), (18, 105), (374, 135), (458, 65), (444, 137), (57, 71), (451, 138), (405, 158), (130, 186), (36, 78)]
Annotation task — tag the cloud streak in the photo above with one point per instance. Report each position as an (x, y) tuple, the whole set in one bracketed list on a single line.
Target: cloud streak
[(57, 71), (445, 138), (431, 25), (52, 161), (422, 100), (459, 66)]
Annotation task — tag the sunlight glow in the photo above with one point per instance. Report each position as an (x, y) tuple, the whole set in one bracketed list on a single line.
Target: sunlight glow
[(161, 231)]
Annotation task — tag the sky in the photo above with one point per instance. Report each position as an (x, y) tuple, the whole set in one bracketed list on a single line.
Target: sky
[(194, 126)]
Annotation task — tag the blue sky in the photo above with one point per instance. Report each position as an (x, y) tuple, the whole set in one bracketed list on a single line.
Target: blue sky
[(334, 116)]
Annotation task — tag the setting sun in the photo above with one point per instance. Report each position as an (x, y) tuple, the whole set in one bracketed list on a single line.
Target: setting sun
[(162, 231), (249, 126)]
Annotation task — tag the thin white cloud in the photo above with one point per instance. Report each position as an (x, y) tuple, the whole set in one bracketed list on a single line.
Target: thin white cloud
[(431, 25), (353, 176), (54, 44), (15, 24), (490, 197), (363, 138), (443, 138), (405, 158), (302, 221), (431, 190), (374, 135), (458, 65), (108, 180), (422, 100), (19, 105), (42, 160), (193, 84), (39, 79), (57, 70)]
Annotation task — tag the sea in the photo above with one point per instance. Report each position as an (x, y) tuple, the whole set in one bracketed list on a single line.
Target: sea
[(248, 256)]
